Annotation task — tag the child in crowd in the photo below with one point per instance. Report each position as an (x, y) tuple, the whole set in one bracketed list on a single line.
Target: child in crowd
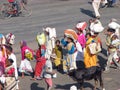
[(70, 46), (10, 70), (48, 73), (59, 54)]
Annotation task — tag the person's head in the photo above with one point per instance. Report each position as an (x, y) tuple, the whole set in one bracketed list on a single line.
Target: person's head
[(10, 62), (110, 31), (96, 34), (88, 35), (46, 33), (9, 50), (23, 43), (114, 37), (46, 30), (69, 39), (90, 21), (57, 42), (79, 31)]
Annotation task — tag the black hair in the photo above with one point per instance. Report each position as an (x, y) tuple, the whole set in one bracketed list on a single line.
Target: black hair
[(71, 39), (96, 33), (88, 34), (9, 48), (10, 60), (111, 30), (57, 41)]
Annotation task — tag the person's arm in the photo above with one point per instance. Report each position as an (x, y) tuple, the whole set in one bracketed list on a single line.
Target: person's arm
[(64, 43)]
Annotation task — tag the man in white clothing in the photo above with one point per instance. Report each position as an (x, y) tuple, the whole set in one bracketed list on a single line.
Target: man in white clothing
[(50, 42), (12, 56), (96, 5), (114, 25)]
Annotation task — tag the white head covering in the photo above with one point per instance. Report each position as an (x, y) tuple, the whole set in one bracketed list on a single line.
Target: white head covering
[(113, 25), (73, 87), (81, 25), (10, 38), (96, 26), (46, 29)]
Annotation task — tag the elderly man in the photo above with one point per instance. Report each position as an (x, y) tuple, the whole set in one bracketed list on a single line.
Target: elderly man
[(96, 5)]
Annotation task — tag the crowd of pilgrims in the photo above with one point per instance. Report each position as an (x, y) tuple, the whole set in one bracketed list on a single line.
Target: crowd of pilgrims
[(78, 49)]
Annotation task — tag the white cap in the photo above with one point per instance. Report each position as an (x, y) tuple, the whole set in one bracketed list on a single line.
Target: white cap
[(113, 25), (73, 87)]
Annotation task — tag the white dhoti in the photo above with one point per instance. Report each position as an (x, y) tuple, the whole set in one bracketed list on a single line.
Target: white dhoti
[(96, 5)]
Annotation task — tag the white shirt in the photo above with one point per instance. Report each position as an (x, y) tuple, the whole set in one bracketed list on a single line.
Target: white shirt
[(48, 67), (79, 54)]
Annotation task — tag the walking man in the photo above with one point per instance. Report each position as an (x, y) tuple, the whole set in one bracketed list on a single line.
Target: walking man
[(96, 5)]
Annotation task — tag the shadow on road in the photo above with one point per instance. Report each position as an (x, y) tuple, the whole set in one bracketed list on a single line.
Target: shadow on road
[(67, 86), (87, 12), (34, 86)]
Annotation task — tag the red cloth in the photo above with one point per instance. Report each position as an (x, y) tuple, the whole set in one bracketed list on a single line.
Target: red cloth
[(49, 82), (11, 1), (40, 63), (11, 72)]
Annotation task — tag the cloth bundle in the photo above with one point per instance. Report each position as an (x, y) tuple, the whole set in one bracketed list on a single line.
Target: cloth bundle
[(41, 39), (71, 33)]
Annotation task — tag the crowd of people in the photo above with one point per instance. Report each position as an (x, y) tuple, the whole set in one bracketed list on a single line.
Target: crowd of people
[(78, 49)]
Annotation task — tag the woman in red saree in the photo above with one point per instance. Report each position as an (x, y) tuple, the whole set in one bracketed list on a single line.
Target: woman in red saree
[(40, 62)]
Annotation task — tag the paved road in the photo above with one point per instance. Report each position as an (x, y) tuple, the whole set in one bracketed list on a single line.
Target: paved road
[(61, 14)]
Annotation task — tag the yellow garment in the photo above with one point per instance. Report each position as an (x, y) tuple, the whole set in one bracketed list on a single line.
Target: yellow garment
[(57, 61), (65, 66), (29, 55), (108, 40), (57, 52), (89, 59)]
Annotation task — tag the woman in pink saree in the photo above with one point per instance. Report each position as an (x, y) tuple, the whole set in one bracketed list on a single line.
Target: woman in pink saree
[(24, 47)]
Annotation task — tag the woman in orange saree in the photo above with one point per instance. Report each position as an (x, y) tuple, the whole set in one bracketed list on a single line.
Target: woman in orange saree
[(90, 60)]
